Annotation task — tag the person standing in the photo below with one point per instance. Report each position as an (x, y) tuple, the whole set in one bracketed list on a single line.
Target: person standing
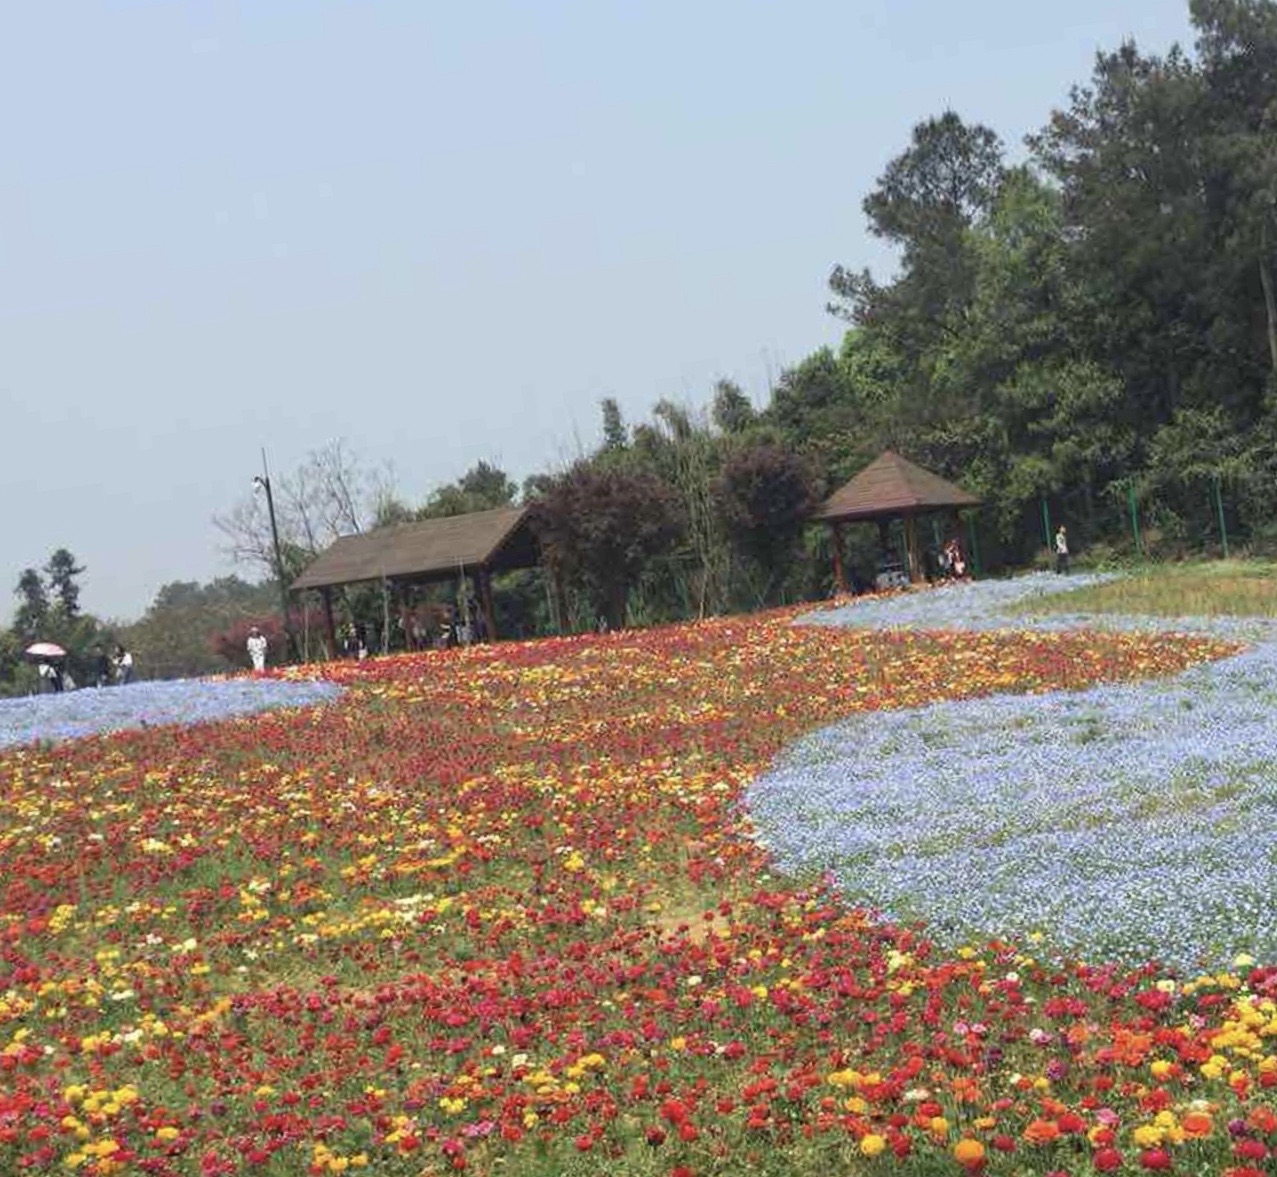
[(102, 668), (257, 648), (1061, 550), (123, 666)]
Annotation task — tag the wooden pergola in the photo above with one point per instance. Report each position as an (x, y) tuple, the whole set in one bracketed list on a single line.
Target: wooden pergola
[(890, 487), (479, 544)]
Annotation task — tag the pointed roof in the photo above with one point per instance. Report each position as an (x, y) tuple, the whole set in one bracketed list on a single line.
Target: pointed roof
[(432, 549), (891, 486)]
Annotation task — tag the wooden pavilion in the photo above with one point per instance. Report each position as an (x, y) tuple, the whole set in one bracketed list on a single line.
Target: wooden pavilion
[(890, 487), (479, 544)]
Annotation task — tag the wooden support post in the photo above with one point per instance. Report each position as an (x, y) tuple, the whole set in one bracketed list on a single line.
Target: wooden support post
[(840, 574), (485, 601), (560, 600), (330, 627), (385, 614), (913, 554)]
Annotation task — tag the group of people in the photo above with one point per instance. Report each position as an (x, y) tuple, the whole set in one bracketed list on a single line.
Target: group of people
[(115, 668), (952, 561), (427, 627)]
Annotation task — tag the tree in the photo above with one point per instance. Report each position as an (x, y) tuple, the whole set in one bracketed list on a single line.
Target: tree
[(489, 485), (1237, 41), (33, 613), (600, 525), (61, 621), (484, 487), (174, 638), (765, 495), (61, 571), (925, 202), (230, 645), (330, 494), (680, 449), (615, 435), (732, 411)]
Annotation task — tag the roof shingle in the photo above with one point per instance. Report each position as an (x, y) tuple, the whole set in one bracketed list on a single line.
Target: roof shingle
[(431, 549), (889, 486)]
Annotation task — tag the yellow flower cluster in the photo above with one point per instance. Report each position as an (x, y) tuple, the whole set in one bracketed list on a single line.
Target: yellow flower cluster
[(325, 1159)]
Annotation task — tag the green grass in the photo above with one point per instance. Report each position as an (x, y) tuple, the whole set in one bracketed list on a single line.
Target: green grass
[(1220, 588)]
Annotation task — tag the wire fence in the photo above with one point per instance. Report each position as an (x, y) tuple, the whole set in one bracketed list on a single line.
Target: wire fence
[(1206, 515)]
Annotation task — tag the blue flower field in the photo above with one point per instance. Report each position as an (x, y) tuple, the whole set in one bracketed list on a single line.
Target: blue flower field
[(1122, 823)]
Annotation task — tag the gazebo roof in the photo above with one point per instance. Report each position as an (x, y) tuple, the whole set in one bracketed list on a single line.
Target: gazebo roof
[(433, 549), (891, 486)]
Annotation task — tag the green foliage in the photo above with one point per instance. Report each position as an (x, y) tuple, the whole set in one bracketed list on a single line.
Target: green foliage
[(599, 527), (49, 611), (33, 613), (732, 411), (175, 638), (483, 487), (615, 435), (764, 496), (61, 571)]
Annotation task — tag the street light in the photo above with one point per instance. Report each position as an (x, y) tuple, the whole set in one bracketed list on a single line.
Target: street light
[(262, 482)]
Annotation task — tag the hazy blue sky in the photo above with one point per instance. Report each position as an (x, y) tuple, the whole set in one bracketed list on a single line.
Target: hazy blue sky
[(441, 232)]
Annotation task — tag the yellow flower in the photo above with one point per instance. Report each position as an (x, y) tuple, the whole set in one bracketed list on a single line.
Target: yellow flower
[(1148, 1135), (872, 1144)]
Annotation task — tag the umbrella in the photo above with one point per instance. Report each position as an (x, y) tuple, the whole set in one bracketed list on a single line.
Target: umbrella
[(46, 650)]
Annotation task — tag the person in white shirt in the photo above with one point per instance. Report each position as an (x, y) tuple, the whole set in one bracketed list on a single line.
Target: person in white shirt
[(123, 665), (257, 648), (1061, 550)]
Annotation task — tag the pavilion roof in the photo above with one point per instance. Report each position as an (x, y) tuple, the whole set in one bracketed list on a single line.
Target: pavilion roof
[(891, 486), (432, 549)]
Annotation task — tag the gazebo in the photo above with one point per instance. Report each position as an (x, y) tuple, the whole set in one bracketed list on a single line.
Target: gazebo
[(479, 544), (890, 487)]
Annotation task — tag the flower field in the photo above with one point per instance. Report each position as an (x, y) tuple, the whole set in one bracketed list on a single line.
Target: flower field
[(1020, 813), (146, 704), (506, 911)]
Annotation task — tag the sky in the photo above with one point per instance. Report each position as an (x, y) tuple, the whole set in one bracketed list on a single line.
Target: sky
[(437, 232)]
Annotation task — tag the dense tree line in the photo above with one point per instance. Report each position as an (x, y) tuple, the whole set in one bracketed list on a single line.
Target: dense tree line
[(1094, 325), (1088, 335)]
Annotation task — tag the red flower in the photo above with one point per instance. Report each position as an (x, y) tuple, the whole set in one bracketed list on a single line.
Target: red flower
[(1155, 1158), (673, 1110), (1107, 1159)]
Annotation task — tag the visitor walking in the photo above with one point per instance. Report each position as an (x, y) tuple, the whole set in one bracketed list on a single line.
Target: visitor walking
[(257, 648), (51, 674), (102, 668), (1061, 550)]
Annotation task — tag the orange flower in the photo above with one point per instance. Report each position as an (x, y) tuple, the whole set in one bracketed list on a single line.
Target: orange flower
[(1263, 1118), (1197, 1125), (1041, 1131), (969, 1153)]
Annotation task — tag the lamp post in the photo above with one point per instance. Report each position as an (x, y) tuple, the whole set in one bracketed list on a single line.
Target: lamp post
[(262, 482)]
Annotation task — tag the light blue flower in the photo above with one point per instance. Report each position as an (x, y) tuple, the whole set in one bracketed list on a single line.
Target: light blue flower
[(1127, 822), (146, 704)]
